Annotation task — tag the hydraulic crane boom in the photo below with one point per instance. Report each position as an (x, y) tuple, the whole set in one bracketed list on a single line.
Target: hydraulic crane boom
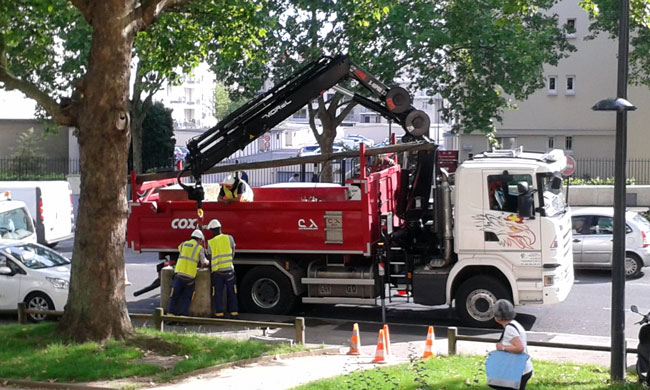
[(264, 112)]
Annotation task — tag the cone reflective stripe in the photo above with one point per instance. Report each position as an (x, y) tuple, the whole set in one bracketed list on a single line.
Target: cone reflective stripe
[(429, 345), (387, 340), (355, 341), (380, 355)]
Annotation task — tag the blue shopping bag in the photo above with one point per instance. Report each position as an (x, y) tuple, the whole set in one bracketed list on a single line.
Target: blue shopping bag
[(505, 369)]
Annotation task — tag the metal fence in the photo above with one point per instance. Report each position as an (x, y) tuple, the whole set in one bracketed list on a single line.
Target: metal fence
[(57, 168), (592, 168), (37, 168)]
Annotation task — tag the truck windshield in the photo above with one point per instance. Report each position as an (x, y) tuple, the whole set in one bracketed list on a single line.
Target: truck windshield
[(552, 194), (15, 224)]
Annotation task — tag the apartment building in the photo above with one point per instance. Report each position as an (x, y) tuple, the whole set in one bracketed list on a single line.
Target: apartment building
[(560, 115)]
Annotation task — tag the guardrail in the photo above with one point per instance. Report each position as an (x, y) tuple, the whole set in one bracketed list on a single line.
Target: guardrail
[(453, 337), (159, 319)]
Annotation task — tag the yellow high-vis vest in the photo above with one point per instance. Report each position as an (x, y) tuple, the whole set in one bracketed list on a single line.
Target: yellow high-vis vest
[(221, 253), (188, 259)]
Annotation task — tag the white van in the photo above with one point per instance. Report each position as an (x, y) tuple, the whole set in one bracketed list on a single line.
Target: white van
[(16, 223), (50, 204)]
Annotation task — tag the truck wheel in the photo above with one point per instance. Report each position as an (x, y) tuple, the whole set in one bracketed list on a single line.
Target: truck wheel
[(266, 290), (475, 299), (38, 301), (633, 265)]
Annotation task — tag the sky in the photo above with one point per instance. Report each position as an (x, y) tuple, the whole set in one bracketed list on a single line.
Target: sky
[(14, 105)]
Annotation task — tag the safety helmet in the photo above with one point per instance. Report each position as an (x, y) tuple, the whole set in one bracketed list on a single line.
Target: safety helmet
[(230, 180), (198, 235), (214, 224)]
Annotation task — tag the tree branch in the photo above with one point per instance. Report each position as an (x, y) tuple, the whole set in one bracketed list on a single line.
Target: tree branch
[(84, 7), (149, 11), (62, 114), (346, 111)]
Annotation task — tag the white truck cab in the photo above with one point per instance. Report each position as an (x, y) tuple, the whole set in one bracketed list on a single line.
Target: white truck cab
[(16, 224), (516, 220)]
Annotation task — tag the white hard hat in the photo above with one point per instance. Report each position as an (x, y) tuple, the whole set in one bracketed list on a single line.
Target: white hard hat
[(214, 224), (198, 234), (230, 180)]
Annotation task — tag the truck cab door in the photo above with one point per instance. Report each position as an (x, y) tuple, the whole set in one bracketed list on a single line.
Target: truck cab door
[(503, 228)]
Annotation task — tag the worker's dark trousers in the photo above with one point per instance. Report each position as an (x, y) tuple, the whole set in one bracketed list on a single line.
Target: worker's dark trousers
[(182, 292), (219, 279)]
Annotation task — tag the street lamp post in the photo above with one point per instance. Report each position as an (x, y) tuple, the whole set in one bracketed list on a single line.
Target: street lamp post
[(621, 106)]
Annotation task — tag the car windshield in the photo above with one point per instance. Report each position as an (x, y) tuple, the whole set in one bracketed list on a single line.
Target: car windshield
[(553, 193), (15, 224), (35, 256)]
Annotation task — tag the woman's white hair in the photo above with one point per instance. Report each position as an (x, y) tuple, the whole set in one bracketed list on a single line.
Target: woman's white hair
[(504, 310)]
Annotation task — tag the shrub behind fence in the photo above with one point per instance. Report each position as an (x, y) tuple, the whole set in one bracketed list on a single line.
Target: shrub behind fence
[(45, 168)]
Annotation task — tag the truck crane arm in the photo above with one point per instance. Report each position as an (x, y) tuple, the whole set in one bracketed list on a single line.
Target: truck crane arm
[(262, 113)]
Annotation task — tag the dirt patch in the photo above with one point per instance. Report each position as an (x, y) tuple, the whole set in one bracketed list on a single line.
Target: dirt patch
[(154, 345)]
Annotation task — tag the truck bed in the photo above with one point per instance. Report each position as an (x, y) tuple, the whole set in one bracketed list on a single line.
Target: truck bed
[(280, 219)]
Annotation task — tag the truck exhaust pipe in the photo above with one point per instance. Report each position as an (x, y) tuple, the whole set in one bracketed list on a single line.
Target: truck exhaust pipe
[(447, 229)]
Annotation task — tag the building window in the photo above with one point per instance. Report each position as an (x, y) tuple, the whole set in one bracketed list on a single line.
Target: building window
[(568, 143), (551, 142), (425, 106), (505, 143), (570, 85), (552, 85), (570, 28), (300, 114)]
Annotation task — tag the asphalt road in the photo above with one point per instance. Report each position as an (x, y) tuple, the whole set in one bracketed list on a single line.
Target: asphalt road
[(586, 311)]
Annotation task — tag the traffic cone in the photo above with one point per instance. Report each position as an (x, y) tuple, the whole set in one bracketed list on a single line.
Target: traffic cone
[(380, 356), (429, 345), (387, 340), (355, 341)]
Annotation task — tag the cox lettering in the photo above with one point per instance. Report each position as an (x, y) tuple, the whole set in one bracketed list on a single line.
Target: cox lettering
[(307, 225), (184, 223)]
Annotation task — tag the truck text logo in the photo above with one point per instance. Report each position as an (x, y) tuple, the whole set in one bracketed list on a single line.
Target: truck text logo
[(276, 109), (307, 225), (184, 223)]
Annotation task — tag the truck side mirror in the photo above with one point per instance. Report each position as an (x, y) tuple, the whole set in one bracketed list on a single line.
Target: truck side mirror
[(556, 183), (525, 203)]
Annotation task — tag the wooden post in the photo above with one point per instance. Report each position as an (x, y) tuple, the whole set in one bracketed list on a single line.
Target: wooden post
[(300, 330), (22, 319), (158, 320), (452, 331)]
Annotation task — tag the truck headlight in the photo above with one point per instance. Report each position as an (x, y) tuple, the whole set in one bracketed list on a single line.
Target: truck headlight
[(59, 283)]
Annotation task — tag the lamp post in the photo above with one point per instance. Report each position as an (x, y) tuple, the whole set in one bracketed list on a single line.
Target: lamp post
[(621, 106)]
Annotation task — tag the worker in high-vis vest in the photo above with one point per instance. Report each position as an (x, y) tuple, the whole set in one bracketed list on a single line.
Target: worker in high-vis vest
[(191, 257), (222, 252), (233, 189)]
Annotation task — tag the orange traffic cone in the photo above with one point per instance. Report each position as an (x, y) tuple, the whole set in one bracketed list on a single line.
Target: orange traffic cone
[(387, 340), (380, 356), (355, 341), (429, 345)]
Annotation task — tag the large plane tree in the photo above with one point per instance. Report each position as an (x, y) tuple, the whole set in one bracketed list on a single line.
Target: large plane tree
[(74, 59)]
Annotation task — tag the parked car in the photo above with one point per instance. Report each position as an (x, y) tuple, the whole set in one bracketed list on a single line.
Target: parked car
[(312, 151), (592, 239), (353, 141), (180, 152), (33, 274), (16, 224)]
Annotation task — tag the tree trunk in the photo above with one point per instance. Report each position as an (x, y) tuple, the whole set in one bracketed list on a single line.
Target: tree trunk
[(96, 308)]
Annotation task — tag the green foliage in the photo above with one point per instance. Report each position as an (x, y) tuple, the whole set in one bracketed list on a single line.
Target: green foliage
[(36, 352), (222, 102), (605, 15), (158, 137), (473, 53), (596, 181), (28, 145)]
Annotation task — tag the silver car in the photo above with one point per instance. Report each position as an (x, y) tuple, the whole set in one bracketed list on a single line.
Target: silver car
[(593, 234)]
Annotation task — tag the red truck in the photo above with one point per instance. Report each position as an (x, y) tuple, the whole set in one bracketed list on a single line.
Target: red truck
[(348, 243)]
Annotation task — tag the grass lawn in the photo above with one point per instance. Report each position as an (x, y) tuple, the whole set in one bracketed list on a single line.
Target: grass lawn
[(467, 372), (34, 352)]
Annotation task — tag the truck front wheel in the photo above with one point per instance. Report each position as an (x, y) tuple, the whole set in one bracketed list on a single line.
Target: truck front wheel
[(475, 300), (266, 290)]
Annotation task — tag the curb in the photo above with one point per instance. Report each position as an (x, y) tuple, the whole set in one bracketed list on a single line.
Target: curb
[(201, 371)]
